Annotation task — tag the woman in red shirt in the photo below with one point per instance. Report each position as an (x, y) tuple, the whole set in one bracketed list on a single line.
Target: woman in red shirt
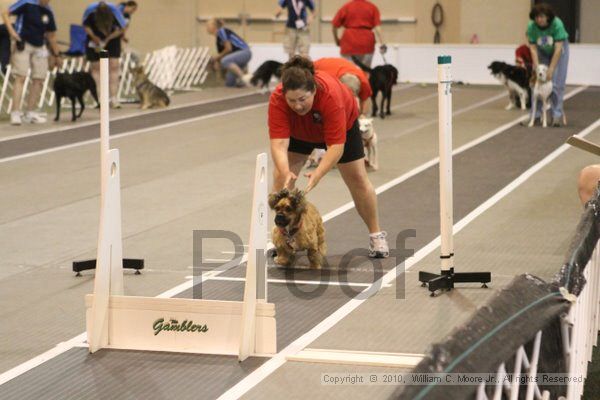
[(311, 110), (359, 18)]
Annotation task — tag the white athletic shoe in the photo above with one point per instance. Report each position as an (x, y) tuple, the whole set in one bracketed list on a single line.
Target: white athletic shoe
[(15, 118), (114, 103), (378, 245), (33, 118)]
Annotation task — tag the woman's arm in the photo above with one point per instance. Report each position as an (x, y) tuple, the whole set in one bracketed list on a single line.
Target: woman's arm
[(335, 35), (534, 55), (90, 33), (283, 175), (331, 157), (114, 34), (226, 50), (555, 57), (9, 26)]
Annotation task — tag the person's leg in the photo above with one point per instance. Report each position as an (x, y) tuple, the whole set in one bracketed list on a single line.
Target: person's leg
[(367, 59), (558, 83), (234, 63), (587, 182), (355, 176), (17, 92), (289, 40), (95, 71), (296, 161), (113, 80), (34, 94), (303, 42)]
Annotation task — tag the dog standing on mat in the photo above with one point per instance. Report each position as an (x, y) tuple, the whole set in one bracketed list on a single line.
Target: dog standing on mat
[(542, 89), (73, 86), (150, 95), (298, 226)]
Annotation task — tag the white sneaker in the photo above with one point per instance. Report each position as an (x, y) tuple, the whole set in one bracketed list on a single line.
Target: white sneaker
[(378, 245), (15, 118), (33, 118), (114, 103)]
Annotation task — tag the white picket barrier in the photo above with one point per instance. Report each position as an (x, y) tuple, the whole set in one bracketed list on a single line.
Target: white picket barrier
[(113, 320), (170, 68)]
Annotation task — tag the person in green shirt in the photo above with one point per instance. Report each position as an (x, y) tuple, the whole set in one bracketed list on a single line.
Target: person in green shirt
[(549, 43)]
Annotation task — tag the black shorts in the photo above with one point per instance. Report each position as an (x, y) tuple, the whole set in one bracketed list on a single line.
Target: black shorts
[(113, 47), (353, 148)]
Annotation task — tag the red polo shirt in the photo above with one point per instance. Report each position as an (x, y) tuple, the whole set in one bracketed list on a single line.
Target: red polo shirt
[(358, 17), (333, 113), (337, 67)]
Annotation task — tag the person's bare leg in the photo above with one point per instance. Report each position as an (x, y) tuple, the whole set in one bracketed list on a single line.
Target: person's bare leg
[(95, 71), (587, 182), (113, 64), (34, 94), (17, 92), (355, 176), (296, 161)]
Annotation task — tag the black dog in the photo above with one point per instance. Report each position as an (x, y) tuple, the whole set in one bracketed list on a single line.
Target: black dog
[(516, 80), (381, 79), (74, 87), (262, 76)]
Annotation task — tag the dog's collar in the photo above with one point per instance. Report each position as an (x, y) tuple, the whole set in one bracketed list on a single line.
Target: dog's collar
[(289, 234)]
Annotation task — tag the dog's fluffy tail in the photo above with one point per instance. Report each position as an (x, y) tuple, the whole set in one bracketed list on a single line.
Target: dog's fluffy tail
[(360, 64)]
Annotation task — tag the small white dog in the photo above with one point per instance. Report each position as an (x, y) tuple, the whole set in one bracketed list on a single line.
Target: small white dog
[(542, 91), (369, 138)]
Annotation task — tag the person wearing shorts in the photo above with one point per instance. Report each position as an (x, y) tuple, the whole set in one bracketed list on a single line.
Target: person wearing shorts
[(297, 33), (34, 26), (311, 110), (359, 18), (104, 23)]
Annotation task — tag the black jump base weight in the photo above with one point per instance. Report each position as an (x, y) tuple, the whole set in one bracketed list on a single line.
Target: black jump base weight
[(128, 263), (445, 280)]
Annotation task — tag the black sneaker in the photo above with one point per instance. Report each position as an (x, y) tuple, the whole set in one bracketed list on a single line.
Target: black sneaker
[(556, 122)]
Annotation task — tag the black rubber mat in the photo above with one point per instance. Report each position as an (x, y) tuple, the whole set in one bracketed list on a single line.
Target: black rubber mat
[(18, 146), (479, 173)]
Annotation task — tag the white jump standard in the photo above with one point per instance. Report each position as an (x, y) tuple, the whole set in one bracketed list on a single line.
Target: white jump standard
[(242, 328), (446, 279)]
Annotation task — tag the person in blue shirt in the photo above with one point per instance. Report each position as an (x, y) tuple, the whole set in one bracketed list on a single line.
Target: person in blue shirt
[(297, 34), (233, 52), (34, 26), (127, 8), (104, 23)]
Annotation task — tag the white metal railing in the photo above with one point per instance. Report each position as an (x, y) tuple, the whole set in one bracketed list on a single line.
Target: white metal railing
[(579, 331), (581, 325), (170, 68)]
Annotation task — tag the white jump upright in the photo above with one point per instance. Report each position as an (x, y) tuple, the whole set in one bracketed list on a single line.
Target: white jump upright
[(241, 328), (109, 265), (445, 143), (256, 278), (447, 277)]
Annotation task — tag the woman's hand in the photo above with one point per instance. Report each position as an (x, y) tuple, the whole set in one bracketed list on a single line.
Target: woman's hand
[(290, 179), (313, 180)]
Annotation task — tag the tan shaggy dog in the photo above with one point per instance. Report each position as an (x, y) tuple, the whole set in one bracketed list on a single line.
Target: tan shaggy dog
[(298, 226)]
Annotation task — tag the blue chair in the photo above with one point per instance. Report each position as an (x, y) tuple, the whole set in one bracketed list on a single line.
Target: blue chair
[(78, 38)]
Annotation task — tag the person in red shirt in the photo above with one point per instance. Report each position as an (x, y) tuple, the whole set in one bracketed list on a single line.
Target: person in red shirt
[(359, 18), (309, 110), (350, 75)]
